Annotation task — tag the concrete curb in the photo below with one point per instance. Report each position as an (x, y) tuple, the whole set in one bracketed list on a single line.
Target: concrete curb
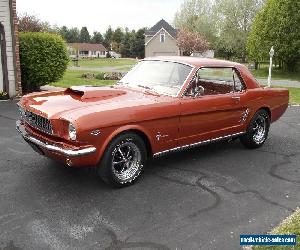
[(51, 88)]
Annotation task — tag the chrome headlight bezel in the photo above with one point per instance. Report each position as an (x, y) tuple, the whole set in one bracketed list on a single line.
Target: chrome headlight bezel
[(22, 112), (72, 132)]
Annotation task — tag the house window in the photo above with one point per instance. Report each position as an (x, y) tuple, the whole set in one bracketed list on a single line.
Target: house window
[(162, 38)]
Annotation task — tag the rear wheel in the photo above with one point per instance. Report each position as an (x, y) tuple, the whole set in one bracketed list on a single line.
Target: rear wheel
[(123, 161), (257, 131)]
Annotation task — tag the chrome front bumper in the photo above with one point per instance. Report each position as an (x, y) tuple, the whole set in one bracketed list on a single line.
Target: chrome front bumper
[(67, 152)]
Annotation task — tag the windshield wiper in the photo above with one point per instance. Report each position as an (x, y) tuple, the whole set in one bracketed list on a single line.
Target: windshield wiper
[(148, 88), (144, 87), (123, 83)]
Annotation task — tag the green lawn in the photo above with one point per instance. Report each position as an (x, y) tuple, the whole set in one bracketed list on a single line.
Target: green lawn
[(291, 225), (277, 74), (294, 95), (73, 78), (104, 62)]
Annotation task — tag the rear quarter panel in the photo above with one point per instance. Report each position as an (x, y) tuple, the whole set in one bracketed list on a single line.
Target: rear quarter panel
[(276, 100)]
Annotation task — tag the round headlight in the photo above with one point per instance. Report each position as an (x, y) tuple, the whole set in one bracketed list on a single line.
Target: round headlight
[(72, 132)]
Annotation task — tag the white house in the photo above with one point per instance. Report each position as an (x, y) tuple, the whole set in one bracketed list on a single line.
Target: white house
[(160, 40), (10, 76), (86, 50)]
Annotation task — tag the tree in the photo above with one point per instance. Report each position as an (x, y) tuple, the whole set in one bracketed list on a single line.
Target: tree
[(117, 38), (97, 37), (225, 24), (64, 32), (30, 23), (108, 37), (70, 35), (277, 24), (84, 35), (74, 35), (138, 43), (118, 35), (190, 42), (198, 16), (125, 45), (235, 20)]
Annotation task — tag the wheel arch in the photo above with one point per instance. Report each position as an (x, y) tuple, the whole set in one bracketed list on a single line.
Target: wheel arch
[(268, 110), (140, 131)]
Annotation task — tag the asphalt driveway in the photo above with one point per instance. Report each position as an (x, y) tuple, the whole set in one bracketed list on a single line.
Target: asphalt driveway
[(203, 198)]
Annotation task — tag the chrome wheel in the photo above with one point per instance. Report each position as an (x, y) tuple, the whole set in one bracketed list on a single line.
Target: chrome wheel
[(259, 129), (126, 161)]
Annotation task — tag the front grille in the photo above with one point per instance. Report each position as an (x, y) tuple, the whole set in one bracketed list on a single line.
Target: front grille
[(36, 121)]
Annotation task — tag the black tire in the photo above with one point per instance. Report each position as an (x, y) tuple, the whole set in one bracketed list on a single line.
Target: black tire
[(257, 131), (120, 168)]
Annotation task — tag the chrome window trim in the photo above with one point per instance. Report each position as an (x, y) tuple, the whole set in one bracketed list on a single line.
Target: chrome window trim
[(174, 61), (231, 67), (192, 145)]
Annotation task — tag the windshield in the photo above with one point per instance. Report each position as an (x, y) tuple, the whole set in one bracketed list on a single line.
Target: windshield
[(159, 76)]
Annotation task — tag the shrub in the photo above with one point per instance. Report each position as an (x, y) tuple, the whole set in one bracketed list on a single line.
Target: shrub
[(113, 76), (100, 76), (88, 75), (3, 95), (43, 57)]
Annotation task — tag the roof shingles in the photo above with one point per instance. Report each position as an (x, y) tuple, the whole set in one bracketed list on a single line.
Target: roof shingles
[(162, 24)]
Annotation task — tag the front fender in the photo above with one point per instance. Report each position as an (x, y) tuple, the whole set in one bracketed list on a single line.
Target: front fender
[(117, 131)]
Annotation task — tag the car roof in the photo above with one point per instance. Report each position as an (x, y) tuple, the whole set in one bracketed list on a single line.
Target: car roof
[(194, 61)]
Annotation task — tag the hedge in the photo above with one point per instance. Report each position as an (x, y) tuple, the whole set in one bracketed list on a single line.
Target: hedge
[(43, 57)]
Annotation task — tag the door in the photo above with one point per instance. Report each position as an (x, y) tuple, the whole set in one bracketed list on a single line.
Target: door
[(1, 66), (213, 106)]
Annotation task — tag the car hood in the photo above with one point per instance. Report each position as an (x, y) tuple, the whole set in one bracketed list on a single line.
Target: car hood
[(77, 101)]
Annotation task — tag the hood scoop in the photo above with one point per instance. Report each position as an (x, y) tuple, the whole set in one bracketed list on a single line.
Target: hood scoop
[(86, 93)]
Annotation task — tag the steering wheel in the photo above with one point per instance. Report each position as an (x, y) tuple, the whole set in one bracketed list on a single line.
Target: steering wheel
[(198, 91)]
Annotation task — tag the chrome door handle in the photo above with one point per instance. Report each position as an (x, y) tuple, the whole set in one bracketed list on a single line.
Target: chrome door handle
[(236, 98)]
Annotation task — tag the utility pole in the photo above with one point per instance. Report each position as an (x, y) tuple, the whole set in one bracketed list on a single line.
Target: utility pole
[(271, 53)]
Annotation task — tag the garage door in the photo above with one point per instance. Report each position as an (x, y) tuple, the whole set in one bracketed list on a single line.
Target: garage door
[(165, 54)]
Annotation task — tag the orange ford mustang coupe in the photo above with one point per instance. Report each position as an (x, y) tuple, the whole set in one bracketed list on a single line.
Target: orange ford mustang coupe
[(163, 104)]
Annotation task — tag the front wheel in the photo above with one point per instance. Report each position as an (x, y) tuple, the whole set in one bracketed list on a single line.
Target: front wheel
[(257, 131), (123, 160)]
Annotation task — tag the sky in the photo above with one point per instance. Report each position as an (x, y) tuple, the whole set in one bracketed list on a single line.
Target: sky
[(98, 15)]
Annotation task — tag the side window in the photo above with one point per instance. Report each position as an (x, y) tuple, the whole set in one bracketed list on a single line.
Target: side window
[(216, 81), (238, 84)]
